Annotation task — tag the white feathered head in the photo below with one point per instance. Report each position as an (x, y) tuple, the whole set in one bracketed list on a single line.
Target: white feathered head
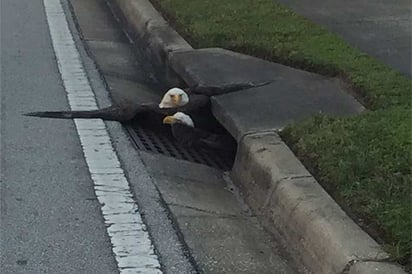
[(173, 98), (179, 117)]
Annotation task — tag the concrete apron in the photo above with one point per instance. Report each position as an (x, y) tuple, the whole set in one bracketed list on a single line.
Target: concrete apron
[(253, 99)]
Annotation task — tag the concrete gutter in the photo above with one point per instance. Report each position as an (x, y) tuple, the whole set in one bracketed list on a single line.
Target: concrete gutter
[(288, 200)]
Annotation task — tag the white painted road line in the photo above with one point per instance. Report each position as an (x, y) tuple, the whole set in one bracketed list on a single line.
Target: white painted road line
[(131, 244)]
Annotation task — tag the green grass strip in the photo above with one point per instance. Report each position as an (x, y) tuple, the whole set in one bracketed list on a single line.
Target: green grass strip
[(274, 32), (364, 161)]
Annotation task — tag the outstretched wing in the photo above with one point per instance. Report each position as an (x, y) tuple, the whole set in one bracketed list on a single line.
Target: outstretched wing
[(112, 113)]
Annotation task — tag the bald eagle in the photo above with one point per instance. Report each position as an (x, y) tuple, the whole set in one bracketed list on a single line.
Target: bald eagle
[(184, 131), (172, 100)]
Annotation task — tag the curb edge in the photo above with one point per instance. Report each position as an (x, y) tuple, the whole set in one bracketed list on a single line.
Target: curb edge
[(338, 253)]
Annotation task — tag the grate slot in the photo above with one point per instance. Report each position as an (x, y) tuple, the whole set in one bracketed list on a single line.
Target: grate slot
[(196, 157), (224, 162), (148, 140), (174, 146), (206, 159)]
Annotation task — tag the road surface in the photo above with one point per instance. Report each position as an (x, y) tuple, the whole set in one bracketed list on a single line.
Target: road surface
[(50, 218), (63, 203)]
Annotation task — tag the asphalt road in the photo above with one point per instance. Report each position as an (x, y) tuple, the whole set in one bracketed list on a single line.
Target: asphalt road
[(50, 218), (380, 28)]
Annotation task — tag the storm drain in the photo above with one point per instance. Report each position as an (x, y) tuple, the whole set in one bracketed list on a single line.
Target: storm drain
[(148, 140)]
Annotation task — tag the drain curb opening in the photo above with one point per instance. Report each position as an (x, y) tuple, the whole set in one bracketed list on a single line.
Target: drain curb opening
[(149, 134)]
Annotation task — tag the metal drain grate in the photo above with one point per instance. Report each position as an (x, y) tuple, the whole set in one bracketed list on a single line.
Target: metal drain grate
[(148, 140)]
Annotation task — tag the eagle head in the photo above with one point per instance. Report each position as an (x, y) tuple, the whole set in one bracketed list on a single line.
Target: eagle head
[(173, 98), (179, 117)]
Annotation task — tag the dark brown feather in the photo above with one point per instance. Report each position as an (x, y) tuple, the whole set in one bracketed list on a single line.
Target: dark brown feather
[(126, 112), (196, 137)]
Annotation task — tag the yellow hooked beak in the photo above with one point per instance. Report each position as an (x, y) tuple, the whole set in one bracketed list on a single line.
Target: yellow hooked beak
[(169, 120), (176, 99)]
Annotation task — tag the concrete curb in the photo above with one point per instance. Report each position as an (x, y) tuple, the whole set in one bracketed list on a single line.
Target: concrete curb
[(146, 21), (288, 200), (150, 27), (291, 203)]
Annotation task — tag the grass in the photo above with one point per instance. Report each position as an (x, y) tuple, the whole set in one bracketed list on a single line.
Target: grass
[(364, 161)]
